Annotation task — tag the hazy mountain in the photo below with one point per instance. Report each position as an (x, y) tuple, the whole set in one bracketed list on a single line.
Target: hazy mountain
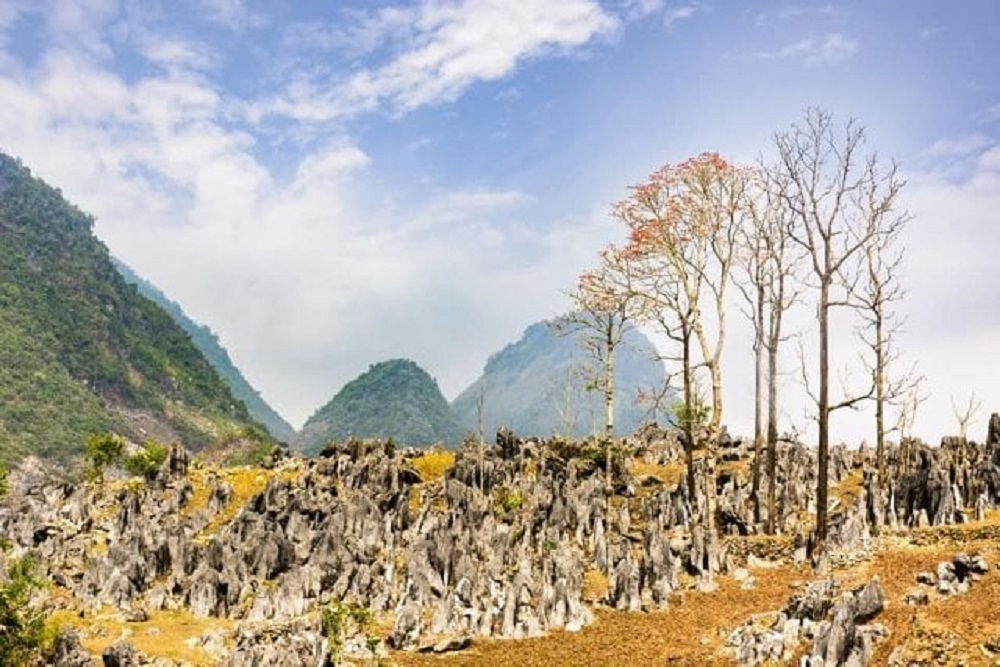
[(209, 345), (80, 350), (537, 386), (393, 399)]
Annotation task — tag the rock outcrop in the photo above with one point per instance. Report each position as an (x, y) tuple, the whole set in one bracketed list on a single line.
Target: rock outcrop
[(508, 541)]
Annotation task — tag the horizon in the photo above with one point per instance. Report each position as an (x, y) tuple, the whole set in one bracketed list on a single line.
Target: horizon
[(330, 187)]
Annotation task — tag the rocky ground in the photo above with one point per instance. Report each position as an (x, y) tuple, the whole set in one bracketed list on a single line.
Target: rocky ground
[(518, 553)]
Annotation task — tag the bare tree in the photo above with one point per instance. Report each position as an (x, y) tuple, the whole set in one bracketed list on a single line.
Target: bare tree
[(604, 306), (965, 415), (876, 290), (839, 198), (683, 223), (769, 266), (906, 415)]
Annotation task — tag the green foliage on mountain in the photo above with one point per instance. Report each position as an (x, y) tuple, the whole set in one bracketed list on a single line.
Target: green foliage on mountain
[(394, 399), (208, 343), (538, 386), (80, 351)]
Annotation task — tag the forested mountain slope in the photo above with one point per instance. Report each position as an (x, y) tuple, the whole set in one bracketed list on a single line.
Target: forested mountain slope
[(80, 350)]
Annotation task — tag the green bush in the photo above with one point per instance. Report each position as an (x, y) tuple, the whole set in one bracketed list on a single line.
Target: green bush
[(3, 480), (104, 449), (148, 460), (341, 620), (24, 638), (509, 500)]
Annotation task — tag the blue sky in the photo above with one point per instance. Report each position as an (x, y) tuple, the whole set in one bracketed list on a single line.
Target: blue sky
[(330, 184)]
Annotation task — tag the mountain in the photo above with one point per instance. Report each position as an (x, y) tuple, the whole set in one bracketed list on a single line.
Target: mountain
[(537, 386), (81, 351), (393, 399), (208, 343)]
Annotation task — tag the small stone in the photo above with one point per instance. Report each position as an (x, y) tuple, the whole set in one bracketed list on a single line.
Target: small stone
[(453, 644)]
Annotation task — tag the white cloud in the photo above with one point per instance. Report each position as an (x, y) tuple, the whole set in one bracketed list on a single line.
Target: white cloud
[(233, 14), (958, 147), (178, 54), (77, 26), (677, 13), (639, 9), (829, 50), (444, 48)]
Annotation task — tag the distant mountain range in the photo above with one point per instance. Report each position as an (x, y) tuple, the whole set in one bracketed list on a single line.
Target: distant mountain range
[(393, 399), (537, 386), (81, 351), (208, 343), (88, 346)]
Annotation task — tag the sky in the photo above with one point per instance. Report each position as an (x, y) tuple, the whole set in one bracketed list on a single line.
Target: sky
[(331, 184)]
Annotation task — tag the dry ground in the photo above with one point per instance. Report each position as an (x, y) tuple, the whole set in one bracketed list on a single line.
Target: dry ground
[(692, 631)]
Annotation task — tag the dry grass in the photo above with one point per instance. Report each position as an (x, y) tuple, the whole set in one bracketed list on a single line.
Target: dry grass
[(245, 481), (595, 585), (849, 489), (432, 465), (167, 634), (669, 473)]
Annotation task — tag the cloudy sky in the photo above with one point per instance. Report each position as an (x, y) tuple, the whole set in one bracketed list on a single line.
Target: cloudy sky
[(330, 184)]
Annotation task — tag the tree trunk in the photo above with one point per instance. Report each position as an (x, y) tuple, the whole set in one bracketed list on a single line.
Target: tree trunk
[(688, 421), (774, 340), (823, 421), (758, 400), (609, 400), (609, 381), (879, 404)]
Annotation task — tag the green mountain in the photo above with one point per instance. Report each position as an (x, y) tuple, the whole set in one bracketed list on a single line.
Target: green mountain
[(80, 350), (208, 343), (394, 399), (538, 387)]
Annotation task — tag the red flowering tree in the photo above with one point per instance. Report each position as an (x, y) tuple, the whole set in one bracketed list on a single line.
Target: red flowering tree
[(683, 223)]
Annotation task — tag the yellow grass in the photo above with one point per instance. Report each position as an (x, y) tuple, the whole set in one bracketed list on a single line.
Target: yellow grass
[(245, 481), (595, 585), (849, 489), (432, 465), (167, 634), (669, 473)]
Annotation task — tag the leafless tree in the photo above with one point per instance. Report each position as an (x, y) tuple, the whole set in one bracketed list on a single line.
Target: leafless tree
[(769, 290), (906, 415), (964, 416), (839, 198), (604, 307), (876, 290)]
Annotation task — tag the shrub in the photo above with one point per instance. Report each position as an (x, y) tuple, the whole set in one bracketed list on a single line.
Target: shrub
[(148, 460), (342, 620), (509, 500), (3, 480), (24, 637), (104, 449)]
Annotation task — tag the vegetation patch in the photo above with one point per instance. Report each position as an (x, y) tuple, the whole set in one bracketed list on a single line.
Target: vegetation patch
[(433, 464)]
